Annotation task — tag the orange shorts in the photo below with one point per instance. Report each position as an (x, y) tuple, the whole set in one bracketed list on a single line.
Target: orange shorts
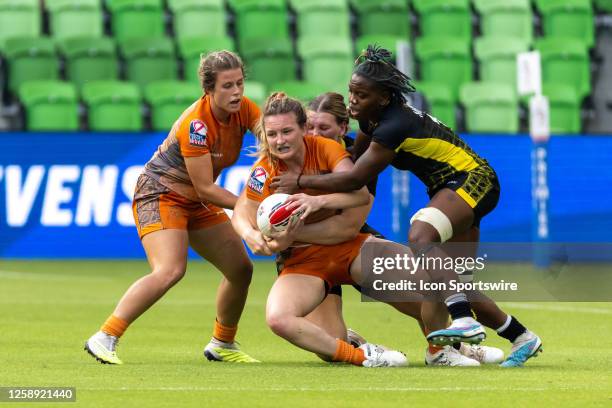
[(156, 207), (331, 263)]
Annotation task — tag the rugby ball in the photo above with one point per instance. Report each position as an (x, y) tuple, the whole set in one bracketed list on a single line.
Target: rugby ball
[(273, 215)]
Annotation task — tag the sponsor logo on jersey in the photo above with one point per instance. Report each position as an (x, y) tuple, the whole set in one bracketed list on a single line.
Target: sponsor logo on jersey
[(197, 133), (257, 179)]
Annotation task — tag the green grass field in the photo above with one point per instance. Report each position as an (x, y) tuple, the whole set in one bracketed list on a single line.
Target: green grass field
[(48, 309)]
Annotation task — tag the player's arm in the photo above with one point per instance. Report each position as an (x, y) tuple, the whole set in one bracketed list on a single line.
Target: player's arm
[(335, 201), (373, 161), (337, 228), (362, 141), (200, 171), (244, 222)]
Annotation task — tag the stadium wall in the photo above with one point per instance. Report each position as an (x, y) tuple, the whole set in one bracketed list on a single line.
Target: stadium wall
[(69, 195)]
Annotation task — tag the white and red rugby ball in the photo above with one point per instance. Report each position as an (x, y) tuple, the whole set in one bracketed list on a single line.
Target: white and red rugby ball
[(273, 215)]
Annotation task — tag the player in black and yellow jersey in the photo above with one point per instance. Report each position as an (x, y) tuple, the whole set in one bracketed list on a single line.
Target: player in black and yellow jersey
[(462, 186)]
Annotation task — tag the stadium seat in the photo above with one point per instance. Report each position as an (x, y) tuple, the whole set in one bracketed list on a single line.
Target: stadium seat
[(196, 18), (383, 17), (304, 91), (568, 18), (564, 108), (192, 48), (75, 18), (30, 59), (387, 41), (506, 18), (442, 18), (19, 18), (604, 5), (149, 59), (446, 60), (322, 17), (269, 61), (113, 106), (255, 91), (440, 100), (50, 105), (89, 59), (260, 19), (136, 18), (490, 107), (327, 61), (497, 57), (168, 100), (565, 60)]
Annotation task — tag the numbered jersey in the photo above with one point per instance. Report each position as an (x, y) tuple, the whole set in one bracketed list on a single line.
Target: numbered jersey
[(424, 145)]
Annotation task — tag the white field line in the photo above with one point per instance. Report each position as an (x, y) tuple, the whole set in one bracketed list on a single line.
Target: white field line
[(334, 389), (555, 307)]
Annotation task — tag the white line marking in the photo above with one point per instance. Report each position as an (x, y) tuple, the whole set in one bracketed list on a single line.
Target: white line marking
[(559, 308)]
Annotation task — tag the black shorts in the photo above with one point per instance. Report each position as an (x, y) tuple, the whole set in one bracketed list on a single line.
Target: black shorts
[(479, 188)]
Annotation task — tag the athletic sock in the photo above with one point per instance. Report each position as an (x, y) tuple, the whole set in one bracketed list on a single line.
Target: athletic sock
[(347, 353), (511, 329), (223, 333), (434, 349), (458, 306), (114, 326)]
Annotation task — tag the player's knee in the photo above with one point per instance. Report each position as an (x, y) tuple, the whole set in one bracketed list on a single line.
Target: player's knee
[(280, 323), (421, 236), (433, 226), (241, 274), (169, 276)]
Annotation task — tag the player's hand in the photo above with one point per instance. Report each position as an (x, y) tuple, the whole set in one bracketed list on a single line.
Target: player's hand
[(257, 244), (305, 203), (279, 241), (285, 183)]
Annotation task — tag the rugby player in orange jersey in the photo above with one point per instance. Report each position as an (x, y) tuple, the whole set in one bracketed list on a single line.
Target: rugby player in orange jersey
[(177, 205)]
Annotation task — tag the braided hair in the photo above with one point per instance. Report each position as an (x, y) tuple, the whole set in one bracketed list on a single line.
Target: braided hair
[(374, 63)]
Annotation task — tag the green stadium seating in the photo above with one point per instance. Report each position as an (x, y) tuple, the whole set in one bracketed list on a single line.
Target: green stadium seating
[(327, 61), (304, 91), (136, 18), (604, 5), (564, 108), (113, 106), (50, 105), (565, 60), (270, 60), (446, 60), (497, 57), (506, 18), (149, 59), (441, 101), (75, 18), (89, 59), (192, 48), (260, 19), (440, 18), (19, 18), (196, 18), (490, 107), (568, 18), (383, 17), (255, 91), (387, 41), (322, 17), (168, 100), (30, 59)]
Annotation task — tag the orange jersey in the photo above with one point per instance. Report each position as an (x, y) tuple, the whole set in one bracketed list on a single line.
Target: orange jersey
[(196, 133), (322, 155)]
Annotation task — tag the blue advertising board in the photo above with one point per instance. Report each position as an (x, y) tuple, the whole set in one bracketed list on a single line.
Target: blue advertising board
[(69, 195)]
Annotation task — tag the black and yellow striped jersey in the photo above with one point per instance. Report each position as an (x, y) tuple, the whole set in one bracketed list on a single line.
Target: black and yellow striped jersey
[(423, 145)]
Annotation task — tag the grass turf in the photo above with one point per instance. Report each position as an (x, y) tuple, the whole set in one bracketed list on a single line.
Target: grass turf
[(49, 308)]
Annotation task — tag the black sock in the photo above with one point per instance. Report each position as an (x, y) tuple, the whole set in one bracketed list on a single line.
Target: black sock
[(514, 329), (457, 346), (459, 309)]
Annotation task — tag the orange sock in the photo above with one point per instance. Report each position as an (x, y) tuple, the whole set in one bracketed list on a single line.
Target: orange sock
[(223, 333), (114, 326), (347, 353)]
